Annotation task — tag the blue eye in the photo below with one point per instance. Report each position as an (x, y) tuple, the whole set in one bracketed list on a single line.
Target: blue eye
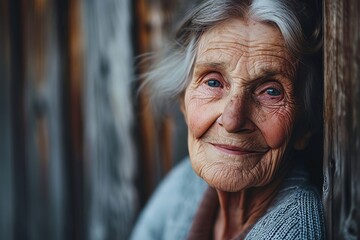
[(273, 92), (213, 83)]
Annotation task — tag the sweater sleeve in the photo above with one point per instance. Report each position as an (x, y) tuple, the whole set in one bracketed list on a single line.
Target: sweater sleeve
[(298, 215), (159, 211)]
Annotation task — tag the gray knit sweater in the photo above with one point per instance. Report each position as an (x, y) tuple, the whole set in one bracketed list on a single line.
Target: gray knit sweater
[(295, 214)]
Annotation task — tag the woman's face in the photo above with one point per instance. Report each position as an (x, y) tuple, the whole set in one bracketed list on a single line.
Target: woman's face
[(239, 105)]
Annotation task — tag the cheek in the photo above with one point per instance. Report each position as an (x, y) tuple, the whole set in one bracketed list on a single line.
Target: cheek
[(199, 115), (277, 127)]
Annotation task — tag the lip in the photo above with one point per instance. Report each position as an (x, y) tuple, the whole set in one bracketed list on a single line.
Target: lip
[(234, 150)]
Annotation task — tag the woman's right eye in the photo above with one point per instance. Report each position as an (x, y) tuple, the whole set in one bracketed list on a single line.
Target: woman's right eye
[(213, 83)]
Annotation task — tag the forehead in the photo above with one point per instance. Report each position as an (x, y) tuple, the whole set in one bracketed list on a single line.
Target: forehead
[(257, 45)]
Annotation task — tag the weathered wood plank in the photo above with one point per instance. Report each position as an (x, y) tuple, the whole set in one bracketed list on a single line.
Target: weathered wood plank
[(72, 116), (19, 160), (342, 107), (145, 125), (109, 147), (6, 176), (41, 132)]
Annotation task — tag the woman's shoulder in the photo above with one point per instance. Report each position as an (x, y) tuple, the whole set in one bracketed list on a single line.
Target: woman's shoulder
[(172, 205), (180, 180), (297, 213)]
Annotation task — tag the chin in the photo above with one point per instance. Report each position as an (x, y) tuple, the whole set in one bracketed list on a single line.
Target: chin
[(225, 176)]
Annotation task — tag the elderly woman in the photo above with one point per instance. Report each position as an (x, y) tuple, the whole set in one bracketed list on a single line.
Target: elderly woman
[(244, 72)]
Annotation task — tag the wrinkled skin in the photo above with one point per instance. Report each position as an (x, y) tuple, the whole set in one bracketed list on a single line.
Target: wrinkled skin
[(240, 109)]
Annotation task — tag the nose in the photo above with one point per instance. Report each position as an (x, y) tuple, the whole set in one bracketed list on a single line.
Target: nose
[(236, 116)]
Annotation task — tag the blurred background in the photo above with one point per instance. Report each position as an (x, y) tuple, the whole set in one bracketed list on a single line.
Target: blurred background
[(80, 152)]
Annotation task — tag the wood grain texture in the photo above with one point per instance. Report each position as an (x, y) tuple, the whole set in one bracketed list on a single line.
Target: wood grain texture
[(6, 176), (153, 143), (342, 108), (42, 132), (109, 148), (47, 167)]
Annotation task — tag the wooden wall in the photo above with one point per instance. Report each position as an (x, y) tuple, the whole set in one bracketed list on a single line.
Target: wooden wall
[(67, 160), (342, 118)]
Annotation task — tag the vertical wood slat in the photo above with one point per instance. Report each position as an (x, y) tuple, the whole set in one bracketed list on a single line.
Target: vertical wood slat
[(342, 118), (108, 118), (75, 85), (146, 134), (19, 166), (70, 44), (76, 75), (6, 176), (36, 119), (38, 180)]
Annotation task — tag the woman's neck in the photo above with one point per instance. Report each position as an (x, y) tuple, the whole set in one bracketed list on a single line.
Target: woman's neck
[(238, 211)]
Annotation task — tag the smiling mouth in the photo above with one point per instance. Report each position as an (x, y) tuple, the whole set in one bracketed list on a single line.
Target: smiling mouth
[(233, 150)]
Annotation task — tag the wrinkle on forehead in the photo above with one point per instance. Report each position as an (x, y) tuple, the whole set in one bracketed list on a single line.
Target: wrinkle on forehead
[(257, 46)]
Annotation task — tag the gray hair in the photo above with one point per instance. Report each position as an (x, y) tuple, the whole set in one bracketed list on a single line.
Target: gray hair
[(298, 21)]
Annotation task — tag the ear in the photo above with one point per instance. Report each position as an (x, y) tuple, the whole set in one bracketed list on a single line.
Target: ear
[(302, 142)]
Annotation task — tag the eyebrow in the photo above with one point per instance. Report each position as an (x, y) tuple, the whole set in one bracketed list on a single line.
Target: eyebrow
[(213, 65), (268, 73), (265, 72)]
